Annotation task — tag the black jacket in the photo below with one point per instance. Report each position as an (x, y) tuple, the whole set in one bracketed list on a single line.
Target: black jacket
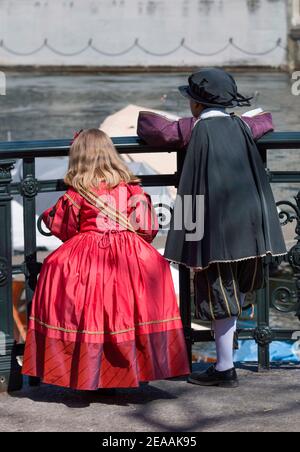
[(240, 216)]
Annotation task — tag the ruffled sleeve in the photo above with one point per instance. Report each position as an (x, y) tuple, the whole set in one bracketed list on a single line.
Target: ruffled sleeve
[(142, 214), (159, 131), (259, 124), (63, 219)]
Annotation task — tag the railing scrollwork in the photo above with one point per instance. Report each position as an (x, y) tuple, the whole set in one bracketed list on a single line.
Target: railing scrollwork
[(285, 299), (3, 271)]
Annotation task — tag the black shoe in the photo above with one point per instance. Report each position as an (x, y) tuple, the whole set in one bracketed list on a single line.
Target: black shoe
[(212, 377)]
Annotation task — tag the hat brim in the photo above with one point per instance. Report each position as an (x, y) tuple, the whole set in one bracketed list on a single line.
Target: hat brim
[(185, 92)]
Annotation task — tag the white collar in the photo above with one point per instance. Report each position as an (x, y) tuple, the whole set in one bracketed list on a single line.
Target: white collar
[(213, 113)]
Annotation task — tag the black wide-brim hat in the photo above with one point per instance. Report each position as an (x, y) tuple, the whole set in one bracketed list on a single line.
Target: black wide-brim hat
[(214, 87)]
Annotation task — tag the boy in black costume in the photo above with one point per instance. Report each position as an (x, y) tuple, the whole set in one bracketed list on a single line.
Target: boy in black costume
[(241, 223)]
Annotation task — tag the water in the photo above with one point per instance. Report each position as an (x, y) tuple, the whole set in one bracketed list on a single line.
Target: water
[(54, 106)]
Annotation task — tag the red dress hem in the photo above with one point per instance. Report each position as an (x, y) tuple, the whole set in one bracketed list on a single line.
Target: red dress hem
[(89, 366)]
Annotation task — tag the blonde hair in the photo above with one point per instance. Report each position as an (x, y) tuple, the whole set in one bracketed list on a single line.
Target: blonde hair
[(94, 159)]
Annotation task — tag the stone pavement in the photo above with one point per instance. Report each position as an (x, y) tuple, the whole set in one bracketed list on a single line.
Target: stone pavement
[(267, 402)]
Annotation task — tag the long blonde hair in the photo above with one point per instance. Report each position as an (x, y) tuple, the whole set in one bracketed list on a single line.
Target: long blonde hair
[(94, 159)]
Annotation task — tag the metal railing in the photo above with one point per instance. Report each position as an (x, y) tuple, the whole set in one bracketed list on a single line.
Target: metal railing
[(29, 187)]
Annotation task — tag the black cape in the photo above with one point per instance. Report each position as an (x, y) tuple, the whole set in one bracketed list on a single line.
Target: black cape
[(240, 215)]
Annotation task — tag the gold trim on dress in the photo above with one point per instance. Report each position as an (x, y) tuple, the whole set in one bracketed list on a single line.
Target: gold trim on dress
[(269, 253), (210, 299), (224, 294), (254, 276), (235, 292), (72, 201), (101, 333)]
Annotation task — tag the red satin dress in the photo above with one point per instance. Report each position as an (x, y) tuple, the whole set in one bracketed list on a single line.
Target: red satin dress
[(104, 314)]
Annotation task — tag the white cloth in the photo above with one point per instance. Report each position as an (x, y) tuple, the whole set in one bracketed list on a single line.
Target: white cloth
[(221, 112), (224, 335), (212, 113)]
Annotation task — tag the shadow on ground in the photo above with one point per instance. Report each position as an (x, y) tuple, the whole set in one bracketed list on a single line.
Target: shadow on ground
[(83, 399), (264, 402)]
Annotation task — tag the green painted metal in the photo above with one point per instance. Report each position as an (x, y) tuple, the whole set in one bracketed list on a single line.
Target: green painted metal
[(29, 191), (10, 376), (126, 145), (29, 188)]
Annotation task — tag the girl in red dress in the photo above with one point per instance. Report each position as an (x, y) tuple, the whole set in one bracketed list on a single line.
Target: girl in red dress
[(104, 314)]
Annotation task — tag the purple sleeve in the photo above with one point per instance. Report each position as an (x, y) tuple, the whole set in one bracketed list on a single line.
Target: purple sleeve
[(260, 124), (159, 131)]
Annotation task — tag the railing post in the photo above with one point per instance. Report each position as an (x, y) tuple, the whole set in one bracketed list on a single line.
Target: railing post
[(185, 307), (10, 372), (29, 190), (263, 333), (185, 281)]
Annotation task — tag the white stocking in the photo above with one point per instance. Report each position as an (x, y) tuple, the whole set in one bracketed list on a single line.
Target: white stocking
[(224, 334)]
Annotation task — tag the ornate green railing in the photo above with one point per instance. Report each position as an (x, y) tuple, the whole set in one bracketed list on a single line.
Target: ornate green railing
[(29, 187)]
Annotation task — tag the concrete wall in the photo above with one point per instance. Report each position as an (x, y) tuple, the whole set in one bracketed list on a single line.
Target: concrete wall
[(159, 25), (295, 13), (294, 35)]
